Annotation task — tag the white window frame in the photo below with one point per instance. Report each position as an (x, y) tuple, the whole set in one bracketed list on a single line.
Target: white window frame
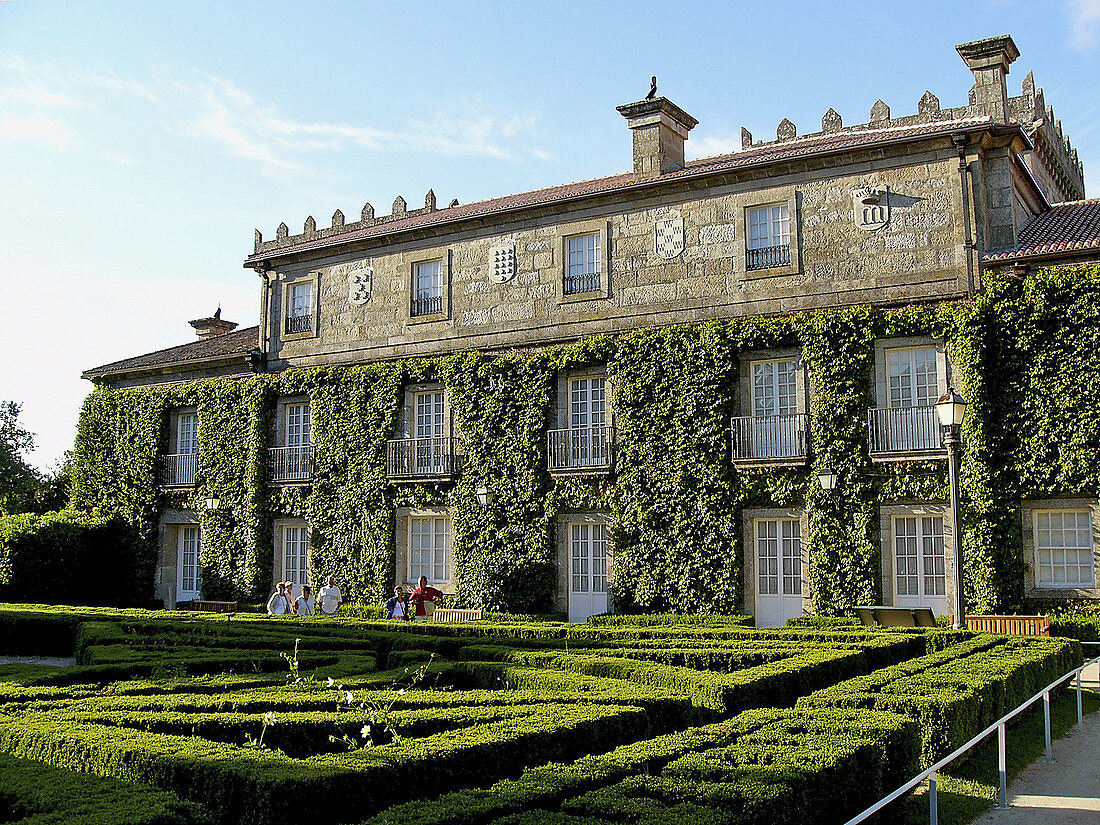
[(592, 407), (775, 384), (786, 577), (297, 424), (914, 356), (187, 433), (588, 569), (768, 225), (299, 299), (299, 535), (428, 279), (584, 254), (184, 534), (437, 568), (1053, 565), (925, 534)]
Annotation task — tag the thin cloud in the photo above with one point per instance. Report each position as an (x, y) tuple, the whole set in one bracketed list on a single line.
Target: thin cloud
[(1084, 23), (37, 130)]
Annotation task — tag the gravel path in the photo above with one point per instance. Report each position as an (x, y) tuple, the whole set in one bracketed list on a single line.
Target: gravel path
[(52, 661)]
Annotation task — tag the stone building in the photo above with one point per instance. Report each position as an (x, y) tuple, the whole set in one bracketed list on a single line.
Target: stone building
[(901, 211)]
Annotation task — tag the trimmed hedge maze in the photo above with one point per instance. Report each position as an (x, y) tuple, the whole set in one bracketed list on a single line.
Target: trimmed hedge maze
[(171, 719)]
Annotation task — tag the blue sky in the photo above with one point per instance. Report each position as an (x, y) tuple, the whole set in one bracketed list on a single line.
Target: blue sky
[(141, 143)]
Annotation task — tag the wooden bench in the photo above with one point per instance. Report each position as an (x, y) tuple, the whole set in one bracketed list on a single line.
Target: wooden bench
[(455, 614), (1010, 625), (879, 615), (207, 606)]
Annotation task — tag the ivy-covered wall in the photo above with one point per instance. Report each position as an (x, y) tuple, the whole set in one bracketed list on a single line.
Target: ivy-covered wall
[(1027, 352)]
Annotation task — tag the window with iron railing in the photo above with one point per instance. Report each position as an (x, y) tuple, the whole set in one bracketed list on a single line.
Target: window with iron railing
[(769, 237), (179, 468), (427, 298), (588, 442), (299, 309), (583, 266), (909, 422)]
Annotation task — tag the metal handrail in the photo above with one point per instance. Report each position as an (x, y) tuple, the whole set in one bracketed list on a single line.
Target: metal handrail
[(932, 773), (769, 436)]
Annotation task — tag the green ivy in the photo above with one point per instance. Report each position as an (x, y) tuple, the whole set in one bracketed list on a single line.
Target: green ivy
[(1027, 352)]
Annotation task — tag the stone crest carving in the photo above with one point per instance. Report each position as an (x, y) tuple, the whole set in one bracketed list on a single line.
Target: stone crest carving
[(502, 263), (871, 207), (668, 237), (360, 286)]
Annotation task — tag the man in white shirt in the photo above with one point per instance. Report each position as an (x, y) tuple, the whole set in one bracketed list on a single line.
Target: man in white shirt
[(278, 604), (330, 597), (303, 605)]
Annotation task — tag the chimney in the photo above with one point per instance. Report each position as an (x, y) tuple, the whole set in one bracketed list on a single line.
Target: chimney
[(213, 326), (989, 60), (660, 128)]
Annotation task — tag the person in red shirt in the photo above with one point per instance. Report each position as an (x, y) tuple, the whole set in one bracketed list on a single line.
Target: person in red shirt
[(424, 593)]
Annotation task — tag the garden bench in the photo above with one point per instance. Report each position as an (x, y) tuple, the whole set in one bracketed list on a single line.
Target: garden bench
[(888, 616), (455, 614), (1010, 625), (207, 606)]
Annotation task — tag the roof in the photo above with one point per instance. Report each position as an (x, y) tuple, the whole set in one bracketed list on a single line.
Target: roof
[(815, 144), (1066, 227), (238, 342)]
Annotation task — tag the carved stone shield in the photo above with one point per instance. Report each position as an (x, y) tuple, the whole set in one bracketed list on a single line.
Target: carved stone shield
[(360, 286), (668, 237), (871, 207), (502, 263)]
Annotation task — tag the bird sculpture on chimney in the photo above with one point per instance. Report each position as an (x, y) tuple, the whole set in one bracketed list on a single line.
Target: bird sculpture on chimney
[(652, 88), (218, 313)]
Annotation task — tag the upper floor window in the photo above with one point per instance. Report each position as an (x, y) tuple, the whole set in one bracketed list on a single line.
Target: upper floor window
[(178, 467), (775, 387), (293, 460), (911, 377), (1063, 548), (299, 307), (769, 237), (587, 441), (583, 265), (187, 434), (298, 425), (429, 448), (588, 402), (906, 421), (776, 430), (427, 288)]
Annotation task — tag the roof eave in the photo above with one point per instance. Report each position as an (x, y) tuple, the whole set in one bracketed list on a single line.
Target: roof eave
[(258, 258), (98, 373)]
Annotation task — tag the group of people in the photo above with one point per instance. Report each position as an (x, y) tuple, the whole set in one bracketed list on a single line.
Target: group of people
[(417, 606), (282, 601)]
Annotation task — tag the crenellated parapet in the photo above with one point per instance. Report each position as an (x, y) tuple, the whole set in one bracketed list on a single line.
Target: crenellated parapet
[(367, 218)]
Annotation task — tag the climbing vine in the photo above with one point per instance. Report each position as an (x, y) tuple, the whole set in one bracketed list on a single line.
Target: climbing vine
[(1027, 353)]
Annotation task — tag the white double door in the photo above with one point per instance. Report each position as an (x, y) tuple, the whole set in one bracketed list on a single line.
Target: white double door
[(920, 563), (778, 570), (588, 570), (188, 577), (295, 557), (774, 405)]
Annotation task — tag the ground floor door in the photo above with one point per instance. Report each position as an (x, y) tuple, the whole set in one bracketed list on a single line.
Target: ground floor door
[(295, 551), (188, 585), (920, 564), (778, 570), (588, 570)]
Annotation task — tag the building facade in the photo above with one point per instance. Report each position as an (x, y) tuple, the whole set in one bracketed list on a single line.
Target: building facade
[(619, 392)]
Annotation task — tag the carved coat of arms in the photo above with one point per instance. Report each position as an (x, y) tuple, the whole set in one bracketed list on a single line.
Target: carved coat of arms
[(502, 263), (360, 286), (871, 207), (668, 237)]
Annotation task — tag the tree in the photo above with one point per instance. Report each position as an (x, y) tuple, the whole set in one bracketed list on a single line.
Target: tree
[(20, 484)]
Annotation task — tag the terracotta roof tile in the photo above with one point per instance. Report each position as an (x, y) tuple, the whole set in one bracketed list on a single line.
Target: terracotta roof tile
[(814, 144), (1065, 227), (238, 342)]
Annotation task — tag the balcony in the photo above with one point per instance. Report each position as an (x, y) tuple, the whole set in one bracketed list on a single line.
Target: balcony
[(177, 470), (427, 305), (577, 284), (768, 257), (900, 433), (581, 450), (290, 463), (298, 323), (770, 440), (418, 459)]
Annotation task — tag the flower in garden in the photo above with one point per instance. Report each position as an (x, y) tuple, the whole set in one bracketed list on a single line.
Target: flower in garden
[(269, 718), (365, 731), (331, 682), (350, 697), (401, 692)]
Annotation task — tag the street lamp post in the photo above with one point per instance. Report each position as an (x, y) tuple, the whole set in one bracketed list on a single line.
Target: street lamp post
[(951, 409)]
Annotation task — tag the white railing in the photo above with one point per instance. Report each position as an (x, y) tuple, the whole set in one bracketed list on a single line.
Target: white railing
[(580, 448), (932, 773), (420, 457), (769, 436), (290, 463), (178, 470), (903, 429)]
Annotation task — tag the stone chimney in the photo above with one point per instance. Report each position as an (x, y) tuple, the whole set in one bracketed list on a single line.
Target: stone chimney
[(213, 326), (660, 128), (989, 60)]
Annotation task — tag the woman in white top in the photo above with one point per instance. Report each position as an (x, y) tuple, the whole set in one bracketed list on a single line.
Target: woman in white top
[(278, 605), (329, 598), (303, 605)]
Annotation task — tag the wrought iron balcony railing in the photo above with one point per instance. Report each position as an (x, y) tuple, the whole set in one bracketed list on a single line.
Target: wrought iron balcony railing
[(903, 430), (290, 463), (770, 438), (427, 305), (298, 323), (768, 257), (413, 458), (576, 284), (581, 448), (178, 470)]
